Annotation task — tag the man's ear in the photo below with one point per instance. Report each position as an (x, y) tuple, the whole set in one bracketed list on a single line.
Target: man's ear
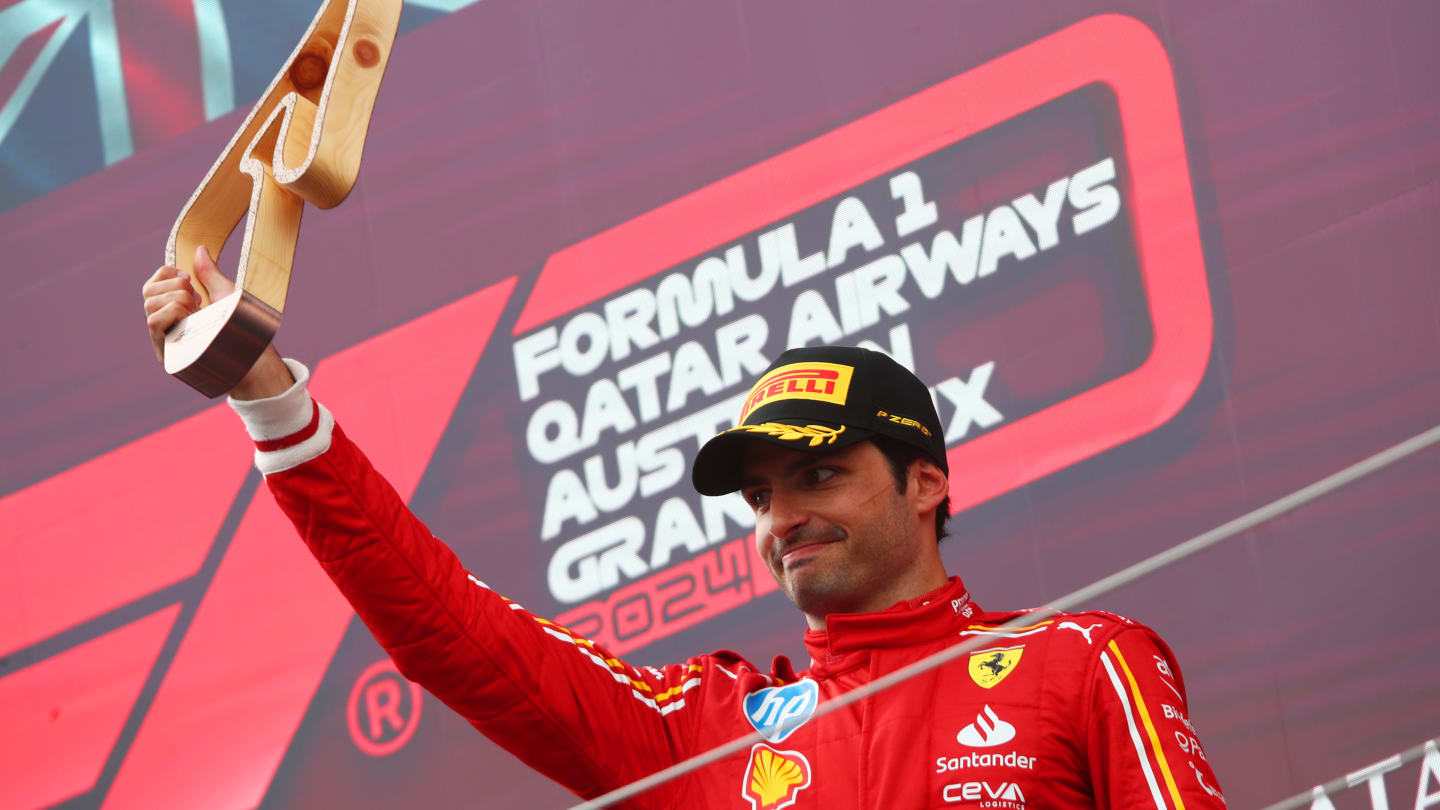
[(929, 484)]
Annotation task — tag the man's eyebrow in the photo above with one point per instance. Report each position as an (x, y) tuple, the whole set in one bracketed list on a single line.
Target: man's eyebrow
[(805, 460), (799, 464)]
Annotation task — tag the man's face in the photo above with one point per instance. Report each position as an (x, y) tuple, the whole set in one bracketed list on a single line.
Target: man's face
[(837, 534)]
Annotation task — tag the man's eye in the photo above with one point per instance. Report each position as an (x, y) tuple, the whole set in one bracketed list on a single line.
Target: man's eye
[(757, 498), (819, 475)]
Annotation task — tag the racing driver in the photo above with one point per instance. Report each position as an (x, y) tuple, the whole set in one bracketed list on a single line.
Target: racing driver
[(839, 453)]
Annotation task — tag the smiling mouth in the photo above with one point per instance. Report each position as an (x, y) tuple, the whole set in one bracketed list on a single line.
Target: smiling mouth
[(802, 552), (807, 542)]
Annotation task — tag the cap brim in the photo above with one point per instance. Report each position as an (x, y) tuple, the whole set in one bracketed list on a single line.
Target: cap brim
[(717, 465)]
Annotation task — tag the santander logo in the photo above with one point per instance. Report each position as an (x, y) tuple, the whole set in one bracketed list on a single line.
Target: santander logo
[(987, 730)]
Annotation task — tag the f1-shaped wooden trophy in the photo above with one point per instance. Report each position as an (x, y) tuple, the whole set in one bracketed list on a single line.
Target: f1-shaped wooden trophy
[(301, 143)]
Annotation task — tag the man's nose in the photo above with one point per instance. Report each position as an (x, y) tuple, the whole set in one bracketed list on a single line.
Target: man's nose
[(787, 514)]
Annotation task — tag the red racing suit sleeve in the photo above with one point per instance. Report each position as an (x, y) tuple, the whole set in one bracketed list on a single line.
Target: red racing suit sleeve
[(1143, 749), (565, 706)]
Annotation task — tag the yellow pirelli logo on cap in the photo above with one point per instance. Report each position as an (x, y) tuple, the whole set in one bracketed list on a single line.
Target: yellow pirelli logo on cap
[(824, 382)]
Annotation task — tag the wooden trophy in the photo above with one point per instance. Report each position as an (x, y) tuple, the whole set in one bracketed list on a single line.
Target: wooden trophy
[(302, 142)]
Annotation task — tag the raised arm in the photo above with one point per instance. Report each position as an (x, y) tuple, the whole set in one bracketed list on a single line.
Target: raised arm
[(555, 700)]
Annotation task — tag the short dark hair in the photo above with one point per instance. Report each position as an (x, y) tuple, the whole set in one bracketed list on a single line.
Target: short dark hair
[(901, 456)]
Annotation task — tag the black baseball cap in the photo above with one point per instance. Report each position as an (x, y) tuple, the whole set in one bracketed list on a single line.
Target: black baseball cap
[(821, 399)]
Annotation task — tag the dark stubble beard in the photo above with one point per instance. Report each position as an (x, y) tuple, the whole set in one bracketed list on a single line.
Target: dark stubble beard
[(872, 557)]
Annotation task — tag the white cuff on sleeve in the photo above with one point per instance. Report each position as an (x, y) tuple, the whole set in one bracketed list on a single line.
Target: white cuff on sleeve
[(289, 429), (281, 415)]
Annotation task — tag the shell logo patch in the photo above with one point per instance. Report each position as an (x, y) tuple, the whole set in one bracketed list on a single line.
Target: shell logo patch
[(773, 779), (989, 667), (825, 382)]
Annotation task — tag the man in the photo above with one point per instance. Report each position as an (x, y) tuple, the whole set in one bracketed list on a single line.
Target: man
[(839, 453)]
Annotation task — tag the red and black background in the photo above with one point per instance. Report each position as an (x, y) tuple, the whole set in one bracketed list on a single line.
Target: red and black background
[(166, 642)]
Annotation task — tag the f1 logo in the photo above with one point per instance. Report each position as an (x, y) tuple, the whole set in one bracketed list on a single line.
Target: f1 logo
[(93, 563)]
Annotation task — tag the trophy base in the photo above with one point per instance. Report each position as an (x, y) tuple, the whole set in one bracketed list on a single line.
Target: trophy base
[(213, 349)]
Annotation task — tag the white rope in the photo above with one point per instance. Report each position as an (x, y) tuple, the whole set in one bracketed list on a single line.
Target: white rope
[(1140, 569), (1342, 783)]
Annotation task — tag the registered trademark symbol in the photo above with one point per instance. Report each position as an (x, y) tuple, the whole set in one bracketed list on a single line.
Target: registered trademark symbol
[(384, 709)]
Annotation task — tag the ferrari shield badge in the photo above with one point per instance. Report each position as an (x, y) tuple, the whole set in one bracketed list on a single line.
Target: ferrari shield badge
[(989, 667)]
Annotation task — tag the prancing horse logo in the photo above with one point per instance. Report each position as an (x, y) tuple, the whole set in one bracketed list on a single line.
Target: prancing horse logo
[(989, 667), (996, 664)]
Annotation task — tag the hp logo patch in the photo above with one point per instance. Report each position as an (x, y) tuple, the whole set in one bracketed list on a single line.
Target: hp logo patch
[(777, 711)]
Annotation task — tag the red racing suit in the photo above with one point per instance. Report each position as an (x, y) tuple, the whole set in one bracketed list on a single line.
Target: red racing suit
[(1083, 710)]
